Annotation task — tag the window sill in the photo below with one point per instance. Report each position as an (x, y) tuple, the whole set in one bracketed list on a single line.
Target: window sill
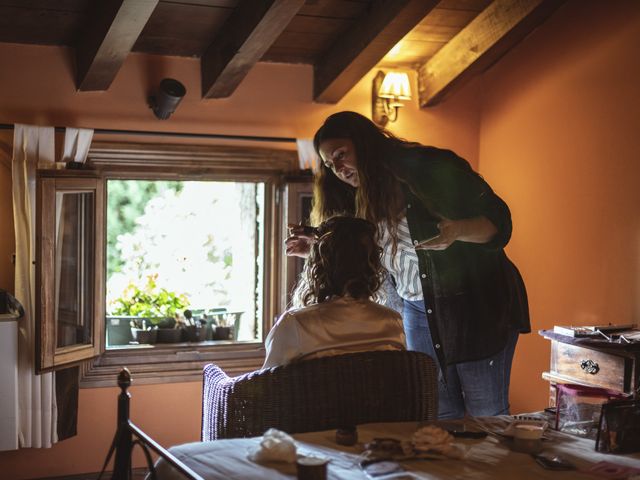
[(171, 363)]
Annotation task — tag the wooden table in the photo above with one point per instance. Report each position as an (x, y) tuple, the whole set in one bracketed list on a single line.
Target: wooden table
[(487, 458)]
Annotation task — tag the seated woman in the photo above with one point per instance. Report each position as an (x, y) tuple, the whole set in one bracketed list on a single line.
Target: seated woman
[(339, 281)]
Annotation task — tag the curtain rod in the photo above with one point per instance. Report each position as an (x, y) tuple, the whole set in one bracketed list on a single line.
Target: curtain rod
[(107, 131)]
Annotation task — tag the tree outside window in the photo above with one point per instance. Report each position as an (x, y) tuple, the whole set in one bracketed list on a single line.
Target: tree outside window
[(194, 245)]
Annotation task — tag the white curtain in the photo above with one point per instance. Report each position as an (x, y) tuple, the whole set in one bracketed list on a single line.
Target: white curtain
[(76, 148), (33, 147), (76, 144), (307, 156)]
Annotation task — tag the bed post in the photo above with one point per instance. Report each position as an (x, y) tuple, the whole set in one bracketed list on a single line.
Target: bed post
[(124, 438), (123, 441)]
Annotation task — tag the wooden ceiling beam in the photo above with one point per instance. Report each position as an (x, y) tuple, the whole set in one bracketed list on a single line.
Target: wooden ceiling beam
[(252, 27), (364, 45), (114, 27), (479, 45)]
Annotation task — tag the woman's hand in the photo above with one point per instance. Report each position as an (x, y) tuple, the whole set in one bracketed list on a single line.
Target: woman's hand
[(449, 233), (472, 230), (298, 243)]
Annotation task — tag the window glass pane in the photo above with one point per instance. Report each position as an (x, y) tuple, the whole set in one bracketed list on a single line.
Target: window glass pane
[(74, 268), (184, 261)]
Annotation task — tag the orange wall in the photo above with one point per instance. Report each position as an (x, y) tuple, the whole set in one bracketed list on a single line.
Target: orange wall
[(274, 100), (559, 140)]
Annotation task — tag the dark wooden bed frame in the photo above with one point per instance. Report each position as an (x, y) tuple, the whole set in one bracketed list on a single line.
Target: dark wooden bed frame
[(128, 435)]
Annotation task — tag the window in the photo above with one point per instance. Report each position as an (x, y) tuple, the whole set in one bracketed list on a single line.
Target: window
[(147, 239), (68, 251), (184, 261), (299, 202)]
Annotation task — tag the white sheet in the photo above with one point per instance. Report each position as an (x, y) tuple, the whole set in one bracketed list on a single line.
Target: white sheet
[(489, 458)]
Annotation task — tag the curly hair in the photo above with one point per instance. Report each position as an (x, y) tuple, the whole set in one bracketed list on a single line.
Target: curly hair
[(345, 260)]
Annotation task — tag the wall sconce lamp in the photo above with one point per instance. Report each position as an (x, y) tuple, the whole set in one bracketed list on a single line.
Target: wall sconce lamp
[(387, 94), (168, 98)]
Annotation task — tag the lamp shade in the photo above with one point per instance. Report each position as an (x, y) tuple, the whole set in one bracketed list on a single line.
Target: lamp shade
[(395, 86)]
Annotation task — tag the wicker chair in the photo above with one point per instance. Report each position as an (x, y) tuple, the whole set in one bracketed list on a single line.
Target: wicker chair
[(320, 394)]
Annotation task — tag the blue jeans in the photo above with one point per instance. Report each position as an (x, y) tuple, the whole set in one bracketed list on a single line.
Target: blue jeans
[(479, 387)]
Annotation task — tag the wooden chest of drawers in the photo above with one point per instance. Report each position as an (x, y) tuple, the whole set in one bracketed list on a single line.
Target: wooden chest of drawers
[(591, 363)]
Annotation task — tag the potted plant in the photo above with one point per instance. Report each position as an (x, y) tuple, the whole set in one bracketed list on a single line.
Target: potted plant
[(152, 311)]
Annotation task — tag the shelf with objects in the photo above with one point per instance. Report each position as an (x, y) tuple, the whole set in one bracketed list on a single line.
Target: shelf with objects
[(607, 361), (192, 325), (590, 366)]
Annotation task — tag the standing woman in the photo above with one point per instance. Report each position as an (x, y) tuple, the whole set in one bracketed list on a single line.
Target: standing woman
[(443, 231)]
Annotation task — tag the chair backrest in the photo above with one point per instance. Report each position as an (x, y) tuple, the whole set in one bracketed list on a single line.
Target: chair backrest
[(320, 394)]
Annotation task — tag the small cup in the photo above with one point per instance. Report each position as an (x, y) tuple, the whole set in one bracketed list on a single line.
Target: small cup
[(347, 436), (527, 438), (311, 468)]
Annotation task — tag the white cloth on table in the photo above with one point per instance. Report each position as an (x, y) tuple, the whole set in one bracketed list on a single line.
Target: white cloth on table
[(488, 458), (275, 446)]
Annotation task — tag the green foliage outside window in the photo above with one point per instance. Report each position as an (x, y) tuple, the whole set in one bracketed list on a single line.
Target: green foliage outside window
[(126, 203), (149, 302)]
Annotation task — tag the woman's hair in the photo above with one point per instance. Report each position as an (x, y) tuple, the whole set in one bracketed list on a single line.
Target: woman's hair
[(345, 260), (379, 196)]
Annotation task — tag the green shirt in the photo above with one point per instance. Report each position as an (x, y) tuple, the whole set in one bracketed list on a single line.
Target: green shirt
[(474, 295)]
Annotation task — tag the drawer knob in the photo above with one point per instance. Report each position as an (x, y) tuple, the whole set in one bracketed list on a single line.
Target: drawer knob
[(589, 366)]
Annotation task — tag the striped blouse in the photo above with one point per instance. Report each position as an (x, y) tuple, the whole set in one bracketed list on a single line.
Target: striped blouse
[(404, 266)]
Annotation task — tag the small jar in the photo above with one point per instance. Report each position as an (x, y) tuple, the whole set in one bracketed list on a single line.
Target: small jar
[(527, 438), (311, 468), (347, 436)]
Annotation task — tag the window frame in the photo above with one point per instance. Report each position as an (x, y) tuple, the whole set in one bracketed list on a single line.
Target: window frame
[(165, 363), (299, 189), (48, 355)]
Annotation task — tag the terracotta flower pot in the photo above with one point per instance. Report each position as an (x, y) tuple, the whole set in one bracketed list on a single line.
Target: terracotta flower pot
[(169, 335), (223, 333), (195, 334), (145, 336)]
